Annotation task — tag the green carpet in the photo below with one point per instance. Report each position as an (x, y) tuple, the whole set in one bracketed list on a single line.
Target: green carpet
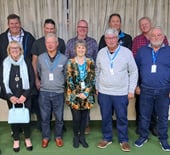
[(151, 148)]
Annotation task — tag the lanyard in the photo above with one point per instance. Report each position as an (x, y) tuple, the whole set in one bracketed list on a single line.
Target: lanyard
[(54, 64), (114, 56), (154, 56), (82, 69)]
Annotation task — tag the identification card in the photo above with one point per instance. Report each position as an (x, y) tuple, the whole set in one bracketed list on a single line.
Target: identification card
[(153, 68), (82, 85), (111, 71), (51, 76)]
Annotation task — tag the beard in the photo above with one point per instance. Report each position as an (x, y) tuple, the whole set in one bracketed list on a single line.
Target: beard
[(156, 43)]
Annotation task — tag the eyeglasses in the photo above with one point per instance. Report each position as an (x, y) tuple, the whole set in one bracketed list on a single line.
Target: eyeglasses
[(82, 27), (14, 48)]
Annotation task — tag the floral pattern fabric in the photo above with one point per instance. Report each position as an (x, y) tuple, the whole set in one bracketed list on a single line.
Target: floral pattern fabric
[(73, 86)]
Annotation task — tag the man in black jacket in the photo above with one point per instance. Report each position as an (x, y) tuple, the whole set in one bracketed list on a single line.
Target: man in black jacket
[(15, 32)]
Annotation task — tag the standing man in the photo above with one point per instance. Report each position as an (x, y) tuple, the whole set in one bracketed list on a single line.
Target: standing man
[(154, 72), (145, 26), (124, 38), (17, 33), (116, 79), (51, 68), (92, 49), (37, 49)]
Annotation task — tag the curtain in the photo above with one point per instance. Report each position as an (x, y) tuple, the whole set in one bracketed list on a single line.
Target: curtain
[(66, 13)]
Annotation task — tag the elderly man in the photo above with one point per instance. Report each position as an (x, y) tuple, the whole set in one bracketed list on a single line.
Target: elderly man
[(142, 40), (51, 67), (154, 85), (116, 79)]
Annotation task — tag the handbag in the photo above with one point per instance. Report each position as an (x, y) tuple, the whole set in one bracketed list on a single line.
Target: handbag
[(18, 115)]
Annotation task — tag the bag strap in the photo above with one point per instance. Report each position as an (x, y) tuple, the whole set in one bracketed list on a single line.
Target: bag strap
[(23, 106)]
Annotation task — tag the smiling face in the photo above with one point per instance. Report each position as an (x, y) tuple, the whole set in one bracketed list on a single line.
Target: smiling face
[(80, 50), (115, 22), (145, 25), (14, 50), (82, 29), (156, 37), (51, 43), (49, 28), (14, 26)]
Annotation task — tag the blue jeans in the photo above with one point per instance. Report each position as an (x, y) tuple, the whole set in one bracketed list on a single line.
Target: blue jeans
[(54, 101), (119, 104), (150, 99)]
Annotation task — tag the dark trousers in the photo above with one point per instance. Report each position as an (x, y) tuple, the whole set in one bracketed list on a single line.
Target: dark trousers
[(119, 104), (16, 128), (150, 99), (79, 121)]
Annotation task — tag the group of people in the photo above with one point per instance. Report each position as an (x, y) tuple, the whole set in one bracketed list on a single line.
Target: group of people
[(45, 74)]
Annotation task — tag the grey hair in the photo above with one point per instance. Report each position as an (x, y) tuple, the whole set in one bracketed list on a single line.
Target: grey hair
[(49, 35), (111, 31), (81, 42), (156, 27)]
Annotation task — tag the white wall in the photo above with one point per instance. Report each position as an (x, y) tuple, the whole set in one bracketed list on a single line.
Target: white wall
[(95, 112)]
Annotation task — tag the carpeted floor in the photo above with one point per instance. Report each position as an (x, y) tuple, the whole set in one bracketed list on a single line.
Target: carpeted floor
[(150, 148)]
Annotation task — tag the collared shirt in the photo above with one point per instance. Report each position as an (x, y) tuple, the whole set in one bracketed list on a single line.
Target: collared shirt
[(92, 48), (140, 41), (18, 38)]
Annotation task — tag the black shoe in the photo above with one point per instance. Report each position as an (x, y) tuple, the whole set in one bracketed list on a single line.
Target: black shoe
[(154, 132), (76, 142), (83, 142), (29, 148), (16, 149)]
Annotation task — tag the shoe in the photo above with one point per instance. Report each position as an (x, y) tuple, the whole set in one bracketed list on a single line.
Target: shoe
[(76, 142), (103, 144), (87, 130), (59, 142), (44, 143), (165, 145), (140, 142), (16, 147), (83, 142), (125, 146), (28, 144), (154, 131)]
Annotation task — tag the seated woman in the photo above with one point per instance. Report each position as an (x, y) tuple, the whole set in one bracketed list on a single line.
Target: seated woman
[(18, 79), (80, 90)]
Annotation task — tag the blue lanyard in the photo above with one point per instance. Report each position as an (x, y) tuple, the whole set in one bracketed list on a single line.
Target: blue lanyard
[(82, 69), (114, 56), (54, 64), (154, 56)]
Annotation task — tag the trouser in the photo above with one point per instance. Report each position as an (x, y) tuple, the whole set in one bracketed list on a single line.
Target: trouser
[(79, 121), (158, 99), (16, 128), (54, 101), (119, 104)]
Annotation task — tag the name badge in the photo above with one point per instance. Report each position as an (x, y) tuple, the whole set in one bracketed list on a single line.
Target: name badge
[(153, 68), (82, 85), (51, 76), (111, 71)]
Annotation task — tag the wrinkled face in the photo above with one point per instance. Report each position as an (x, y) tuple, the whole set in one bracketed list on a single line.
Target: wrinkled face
[(156, 37), (49, 28), (14, 26), (80, 50), (111, 41), (14, 51), (145, 25), (51, 44), (115, 23), (82, 30)]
